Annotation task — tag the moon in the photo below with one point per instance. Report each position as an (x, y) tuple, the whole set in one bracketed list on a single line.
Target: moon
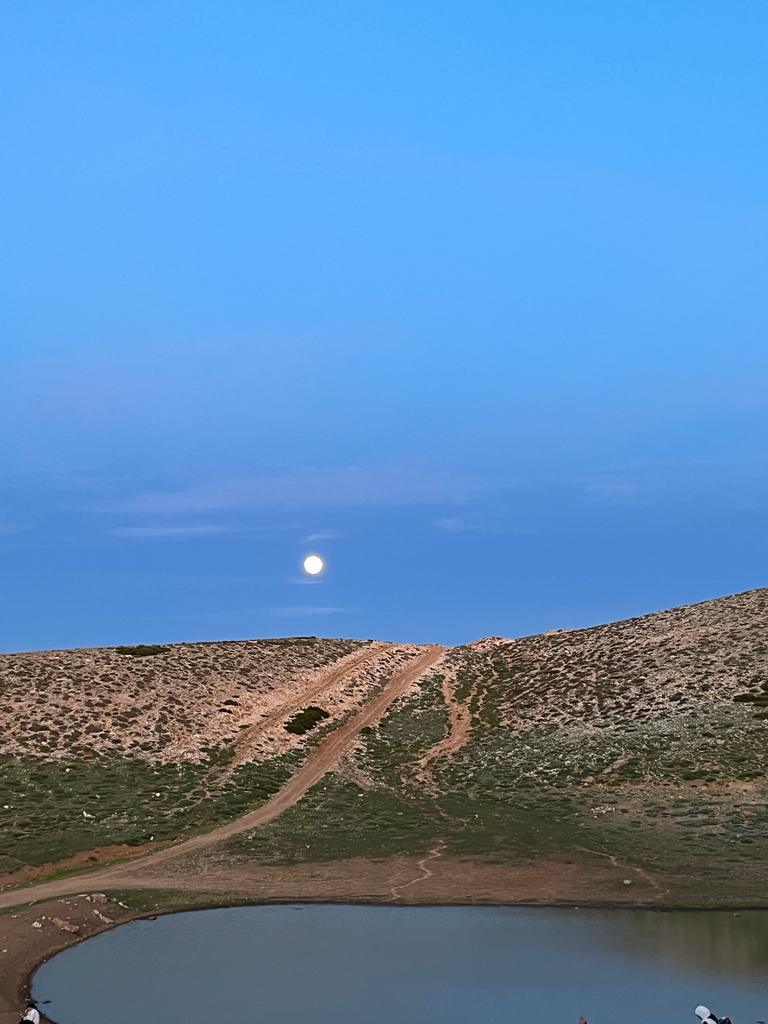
[(313, 565)]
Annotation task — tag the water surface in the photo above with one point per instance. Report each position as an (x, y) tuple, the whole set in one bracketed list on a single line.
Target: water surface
[(315, 964)]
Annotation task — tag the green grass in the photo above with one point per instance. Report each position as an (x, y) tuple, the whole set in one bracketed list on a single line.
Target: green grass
[(59, 808), (516, 795), (163, 901), (646, 741)]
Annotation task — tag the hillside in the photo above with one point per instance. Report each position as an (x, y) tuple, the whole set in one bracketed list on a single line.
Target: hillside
[(128, 746), (644, 741), (634, 755)]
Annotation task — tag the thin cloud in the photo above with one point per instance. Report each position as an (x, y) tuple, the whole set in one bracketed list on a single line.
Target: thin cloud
[(312, 538), (495, 521), (167, 532), (389, 485)]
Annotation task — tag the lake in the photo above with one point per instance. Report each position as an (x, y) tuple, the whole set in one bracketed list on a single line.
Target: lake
[(321, 964)]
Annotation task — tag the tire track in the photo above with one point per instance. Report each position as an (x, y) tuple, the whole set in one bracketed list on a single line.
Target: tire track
[(320, 761), (323, 681), (458, 731)]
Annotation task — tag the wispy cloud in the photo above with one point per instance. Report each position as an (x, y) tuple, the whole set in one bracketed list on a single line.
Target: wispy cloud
[(169, 532), (301, 610), (313, 538), (385, 485), (495, 521)]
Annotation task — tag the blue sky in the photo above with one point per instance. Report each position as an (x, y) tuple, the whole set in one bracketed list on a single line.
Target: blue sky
[(469, 298)]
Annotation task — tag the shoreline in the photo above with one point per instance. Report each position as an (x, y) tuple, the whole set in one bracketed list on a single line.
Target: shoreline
[(95, 914)]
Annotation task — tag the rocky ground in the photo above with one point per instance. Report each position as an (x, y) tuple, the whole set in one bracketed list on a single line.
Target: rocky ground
[(160, 703), (103, 752), (643, 740), (624, 764)]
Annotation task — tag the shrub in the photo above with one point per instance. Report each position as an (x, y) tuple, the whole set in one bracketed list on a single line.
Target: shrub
[(141, 650), (305, 720)]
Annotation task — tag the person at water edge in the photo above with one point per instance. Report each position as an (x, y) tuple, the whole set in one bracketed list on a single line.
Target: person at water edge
[(31, 1013), (704, 1014)]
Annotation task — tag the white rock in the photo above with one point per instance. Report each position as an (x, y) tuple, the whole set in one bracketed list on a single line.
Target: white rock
[(66, 926)]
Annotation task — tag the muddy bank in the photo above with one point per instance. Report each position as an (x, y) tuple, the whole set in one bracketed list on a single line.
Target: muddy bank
[(30, 935)]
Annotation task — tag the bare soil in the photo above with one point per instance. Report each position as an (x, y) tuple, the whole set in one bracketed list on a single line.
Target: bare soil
[(34, 934), (100, 856), (588, 880)]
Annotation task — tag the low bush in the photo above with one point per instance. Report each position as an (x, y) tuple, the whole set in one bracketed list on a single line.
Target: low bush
[(305, 720), (141, 650)]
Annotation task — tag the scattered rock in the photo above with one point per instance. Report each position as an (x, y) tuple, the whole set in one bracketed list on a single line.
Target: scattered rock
[(66, 926)]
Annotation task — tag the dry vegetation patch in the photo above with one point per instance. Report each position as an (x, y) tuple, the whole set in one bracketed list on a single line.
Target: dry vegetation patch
[(165, 703)]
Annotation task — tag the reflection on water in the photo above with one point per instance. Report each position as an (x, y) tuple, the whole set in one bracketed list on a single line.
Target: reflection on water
[(726, 944), (412, 965)]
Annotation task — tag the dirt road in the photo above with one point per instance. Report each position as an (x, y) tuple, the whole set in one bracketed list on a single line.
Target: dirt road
[(322, 760), (317, 685)]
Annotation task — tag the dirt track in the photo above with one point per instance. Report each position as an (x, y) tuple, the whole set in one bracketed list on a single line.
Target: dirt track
[(327, 678), (582, 880), (325, 756), (459, 729)]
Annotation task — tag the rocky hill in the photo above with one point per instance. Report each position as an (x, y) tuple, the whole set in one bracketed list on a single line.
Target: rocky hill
[(639, 745), (129, 746), (160, 702), (645, 742)]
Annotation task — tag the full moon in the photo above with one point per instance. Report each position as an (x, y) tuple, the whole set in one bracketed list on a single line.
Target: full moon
[(313, 565)]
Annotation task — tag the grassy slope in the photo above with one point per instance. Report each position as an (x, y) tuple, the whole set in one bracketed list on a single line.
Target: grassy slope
[(625, 740), (644, 740), (74, 775)]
